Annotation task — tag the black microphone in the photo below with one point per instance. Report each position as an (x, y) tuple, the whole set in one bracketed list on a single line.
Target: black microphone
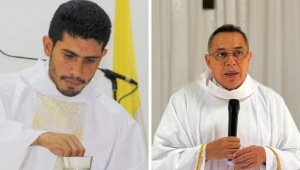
[(112, 75), (233, 112)]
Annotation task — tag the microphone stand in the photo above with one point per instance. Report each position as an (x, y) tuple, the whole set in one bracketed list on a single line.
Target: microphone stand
[(113, 78), (114, 87), (114, 84)]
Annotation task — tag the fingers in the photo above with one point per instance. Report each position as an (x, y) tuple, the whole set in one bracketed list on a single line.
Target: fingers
[(241, 152), (71, 149), (80, 149), (223, 148), (249, 157), (229, 156), (66, 148), (233, 145), (228, 153), (247, 164), (249, 149), (62, 144), (242, 158), (233, 139), (230, 142), (58, 152)]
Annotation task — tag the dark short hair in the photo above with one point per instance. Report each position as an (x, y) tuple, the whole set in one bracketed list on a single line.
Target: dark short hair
[(80, 18), (227, 28)]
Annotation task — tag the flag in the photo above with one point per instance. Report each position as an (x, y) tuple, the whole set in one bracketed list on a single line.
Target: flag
[(124, 62)]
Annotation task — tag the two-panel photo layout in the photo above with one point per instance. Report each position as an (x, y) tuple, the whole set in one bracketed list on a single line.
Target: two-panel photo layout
[(150, 85)]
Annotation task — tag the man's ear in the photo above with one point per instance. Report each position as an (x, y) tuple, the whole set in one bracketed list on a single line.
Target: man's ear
[(103, 53), (207, 59), (48, 44), (250, 56)]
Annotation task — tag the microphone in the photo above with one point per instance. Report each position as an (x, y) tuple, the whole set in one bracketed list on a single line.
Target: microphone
[(233, 112), (112, 75)]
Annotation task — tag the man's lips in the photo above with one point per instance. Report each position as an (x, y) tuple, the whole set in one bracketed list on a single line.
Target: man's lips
[(72, 83), (231, 74)]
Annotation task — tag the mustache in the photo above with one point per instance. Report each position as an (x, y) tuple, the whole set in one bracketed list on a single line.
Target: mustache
[(227, 68), (79, 80)]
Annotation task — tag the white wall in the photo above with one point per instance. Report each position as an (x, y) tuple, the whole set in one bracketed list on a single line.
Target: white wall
[(24, 23)]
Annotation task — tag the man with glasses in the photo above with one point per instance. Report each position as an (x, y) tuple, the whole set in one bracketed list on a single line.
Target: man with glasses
[(194, 128)]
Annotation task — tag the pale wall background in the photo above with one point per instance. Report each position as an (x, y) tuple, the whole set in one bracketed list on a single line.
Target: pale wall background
[(24, 23), (180, 31)]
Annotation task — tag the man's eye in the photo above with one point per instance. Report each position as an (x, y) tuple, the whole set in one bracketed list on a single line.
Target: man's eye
[(238, 53), (222, 54), (69, 56), (89, 60)]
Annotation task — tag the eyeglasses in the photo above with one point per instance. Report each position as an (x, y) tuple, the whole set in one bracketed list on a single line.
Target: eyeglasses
[(238, 55)]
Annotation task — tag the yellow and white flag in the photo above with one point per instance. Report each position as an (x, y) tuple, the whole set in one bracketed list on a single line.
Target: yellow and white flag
[(124, 62)]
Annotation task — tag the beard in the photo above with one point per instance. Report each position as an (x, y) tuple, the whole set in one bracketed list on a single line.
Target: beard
[(69, 91)]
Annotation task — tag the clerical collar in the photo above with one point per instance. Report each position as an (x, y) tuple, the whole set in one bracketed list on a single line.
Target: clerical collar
[(247, 88), (215, 82), (37, 77)]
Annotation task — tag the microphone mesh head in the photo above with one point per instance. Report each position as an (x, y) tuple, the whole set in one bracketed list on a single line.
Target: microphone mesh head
[(234, 103)]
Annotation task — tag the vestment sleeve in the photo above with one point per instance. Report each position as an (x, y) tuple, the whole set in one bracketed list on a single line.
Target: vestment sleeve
[(285, 138), (129, 149), (15, 137), (173, 148)]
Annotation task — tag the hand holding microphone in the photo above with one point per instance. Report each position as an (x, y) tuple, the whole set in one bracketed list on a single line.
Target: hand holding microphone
[(233, 113), (224, 148), (248, 157)]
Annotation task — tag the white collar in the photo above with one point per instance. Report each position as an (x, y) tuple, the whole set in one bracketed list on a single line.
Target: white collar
[(245, 90), (215, 81), (37, 77)]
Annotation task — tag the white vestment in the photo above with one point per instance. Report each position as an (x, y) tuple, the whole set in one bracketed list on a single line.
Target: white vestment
[(197, 114), (31, 105)]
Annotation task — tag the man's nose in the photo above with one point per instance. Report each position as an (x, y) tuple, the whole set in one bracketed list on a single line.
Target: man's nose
[(230, 60), (77, 68)]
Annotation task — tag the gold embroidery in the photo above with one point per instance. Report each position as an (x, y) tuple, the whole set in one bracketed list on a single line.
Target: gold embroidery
[(37, 122), (79, 132), (58, 116), (199, 156), (277, 158)]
